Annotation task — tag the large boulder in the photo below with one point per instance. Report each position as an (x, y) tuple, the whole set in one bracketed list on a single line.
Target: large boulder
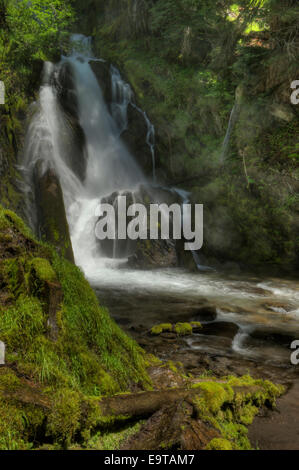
[(148, 253), (52, 222), (151, 254)]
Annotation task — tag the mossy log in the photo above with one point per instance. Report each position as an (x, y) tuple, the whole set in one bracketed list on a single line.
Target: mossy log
[(144, 404)]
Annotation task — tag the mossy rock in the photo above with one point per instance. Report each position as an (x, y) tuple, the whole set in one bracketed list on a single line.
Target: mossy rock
[(183, 329), (219, 444), (163, 327)]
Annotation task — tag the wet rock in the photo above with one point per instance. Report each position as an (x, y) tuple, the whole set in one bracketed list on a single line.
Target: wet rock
[(206, 314), (66, 90), (135, 137), (273, 336), (53, 225), (118, 248), (141, 254), (73, 147), (154, 254), (102, 73), (224, 329), (185, 258)]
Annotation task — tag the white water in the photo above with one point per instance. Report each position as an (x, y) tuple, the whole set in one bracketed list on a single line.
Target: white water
[(122, 96)]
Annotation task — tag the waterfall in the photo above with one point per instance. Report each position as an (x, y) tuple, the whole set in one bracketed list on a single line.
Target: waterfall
[(45, 138), (231, 124), (109, 167), (122, 96)]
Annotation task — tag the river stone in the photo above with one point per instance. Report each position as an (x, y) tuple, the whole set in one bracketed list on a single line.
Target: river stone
[(2, 353), (52, 221), (206, 313), (154, 254)]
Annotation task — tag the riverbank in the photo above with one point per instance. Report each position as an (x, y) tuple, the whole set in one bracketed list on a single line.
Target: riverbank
[(261, 309)]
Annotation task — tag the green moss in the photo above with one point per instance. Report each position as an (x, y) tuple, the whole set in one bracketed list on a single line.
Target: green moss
[(21, 323), (219, 444), (231, 404), (214, 395), (8, 380), (196, 324), (9, 220), (43, 269), (158, 329), (18, 422), (183, 329), (64, 419), (107, 440)]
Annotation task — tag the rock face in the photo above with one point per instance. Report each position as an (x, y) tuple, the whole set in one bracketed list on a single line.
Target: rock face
[(53, 226), (135, 137), (102, 72), (73, 148)]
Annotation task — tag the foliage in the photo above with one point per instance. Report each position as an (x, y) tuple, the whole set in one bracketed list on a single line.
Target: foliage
[(37, 27)]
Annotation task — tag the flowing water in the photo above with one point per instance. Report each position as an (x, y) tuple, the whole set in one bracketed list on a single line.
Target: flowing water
[(264, 311)]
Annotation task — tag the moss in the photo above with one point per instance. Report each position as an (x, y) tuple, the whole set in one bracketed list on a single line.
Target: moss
[(8, 380), (183, 329), (231, 404), (21, 323), (214, 395), (64, 419), (9, 220), (219, 444), (112, 440), (19, 423), (43, 269), (90, 356), (196, 324), (158, 329)]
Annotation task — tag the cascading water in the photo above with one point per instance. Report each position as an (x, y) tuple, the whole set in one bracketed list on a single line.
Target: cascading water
[(110, 167), (122, 96)]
